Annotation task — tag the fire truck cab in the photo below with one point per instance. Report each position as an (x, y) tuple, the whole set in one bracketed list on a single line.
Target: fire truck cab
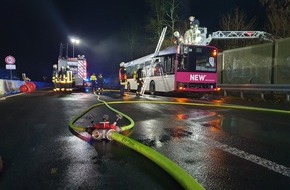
[(69, 73)]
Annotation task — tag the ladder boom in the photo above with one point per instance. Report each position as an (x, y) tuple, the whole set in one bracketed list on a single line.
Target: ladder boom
[(237, 35), (147, 77)]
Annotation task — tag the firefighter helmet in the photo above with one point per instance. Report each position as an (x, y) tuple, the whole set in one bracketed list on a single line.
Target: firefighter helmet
[(122, 64)]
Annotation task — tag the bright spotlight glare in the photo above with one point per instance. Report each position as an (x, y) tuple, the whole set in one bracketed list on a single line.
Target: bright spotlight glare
[(75, 41)]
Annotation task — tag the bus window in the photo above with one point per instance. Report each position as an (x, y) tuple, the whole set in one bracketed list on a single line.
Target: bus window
[(169, 65), (205, 62), (159, 67), (146, 68), (129, 72), (182, 63), (143, 69), (197, 59), (147, 63)]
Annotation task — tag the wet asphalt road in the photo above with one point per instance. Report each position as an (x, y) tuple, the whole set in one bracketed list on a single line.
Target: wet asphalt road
[(221, 147)]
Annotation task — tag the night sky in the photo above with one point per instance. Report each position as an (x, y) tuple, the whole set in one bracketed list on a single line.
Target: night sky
[(32, 30)]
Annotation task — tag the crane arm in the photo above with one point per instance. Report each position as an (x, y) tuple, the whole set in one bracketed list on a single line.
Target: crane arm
[(237, 35)]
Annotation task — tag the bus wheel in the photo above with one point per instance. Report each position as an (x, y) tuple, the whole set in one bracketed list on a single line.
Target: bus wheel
[(152, 88), (128, 87)]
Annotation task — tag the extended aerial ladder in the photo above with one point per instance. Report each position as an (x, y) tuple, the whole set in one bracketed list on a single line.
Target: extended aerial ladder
[(236, 35), (149, 68), (198, 35)]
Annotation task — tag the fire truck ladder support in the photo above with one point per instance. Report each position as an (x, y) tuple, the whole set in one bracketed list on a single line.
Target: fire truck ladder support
[(238, 35), (148, 73)]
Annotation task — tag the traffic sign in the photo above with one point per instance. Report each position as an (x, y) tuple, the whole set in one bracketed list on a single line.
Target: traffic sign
[(10, 59), (10, 66)]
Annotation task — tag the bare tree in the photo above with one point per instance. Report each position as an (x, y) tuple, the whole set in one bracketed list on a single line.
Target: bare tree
[(132, 38), (236, 20), (171, 18), (156, 20), (278, 15), (164, 13)]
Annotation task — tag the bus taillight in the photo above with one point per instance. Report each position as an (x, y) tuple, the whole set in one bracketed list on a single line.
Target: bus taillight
[(214, 53), (217, 89)]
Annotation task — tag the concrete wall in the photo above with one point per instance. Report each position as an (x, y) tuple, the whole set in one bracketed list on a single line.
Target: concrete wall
[(282, 62), (267, 63), (12, 86)]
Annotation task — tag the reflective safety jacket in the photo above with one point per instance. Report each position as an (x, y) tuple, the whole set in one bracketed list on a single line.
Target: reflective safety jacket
[(93, 78), (122, 75)]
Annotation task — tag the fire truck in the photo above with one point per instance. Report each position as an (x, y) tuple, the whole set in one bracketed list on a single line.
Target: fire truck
[(69, 73)]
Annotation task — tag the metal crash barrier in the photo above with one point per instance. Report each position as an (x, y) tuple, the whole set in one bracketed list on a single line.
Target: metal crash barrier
[(256, 88)]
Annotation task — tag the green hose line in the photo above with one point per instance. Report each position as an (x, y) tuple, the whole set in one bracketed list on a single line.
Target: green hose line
[(181, 176), (82, 129), (132, 123), (78, 128), (124, 128)]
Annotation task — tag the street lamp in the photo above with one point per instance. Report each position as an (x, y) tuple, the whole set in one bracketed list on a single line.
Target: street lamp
[(74, 41)]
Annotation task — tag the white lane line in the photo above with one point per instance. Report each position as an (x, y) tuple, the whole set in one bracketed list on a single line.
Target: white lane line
[(251, 157), (244, 155)]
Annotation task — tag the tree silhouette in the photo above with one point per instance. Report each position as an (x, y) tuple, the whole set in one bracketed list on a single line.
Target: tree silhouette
[(278, 15), (163, 13), (235, 20)]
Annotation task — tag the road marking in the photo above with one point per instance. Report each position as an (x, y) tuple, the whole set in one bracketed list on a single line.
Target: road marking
[(251, 157), (197, 136), (242, 154)]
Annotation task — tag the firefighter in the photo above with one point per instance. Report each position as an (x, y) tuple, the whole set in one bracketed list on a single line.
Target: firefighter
[(100, 83), (68, 78), (122, 78), (139, 81), (192, 36), (179, 38), (62, 76), (55, 78), (93, 80)]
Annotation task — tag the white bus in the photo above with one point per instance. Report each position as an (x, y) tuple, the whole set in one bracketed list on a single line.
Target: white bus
[(188, 68)]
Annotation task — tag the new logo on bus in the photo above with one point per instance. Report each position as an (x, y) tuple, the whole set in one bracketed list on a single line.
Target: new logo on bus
[(197, 77)]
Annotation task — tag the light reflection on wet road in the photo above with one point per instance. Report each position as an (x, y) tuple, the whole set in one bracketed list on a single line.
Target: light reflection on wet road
[(220, 147)]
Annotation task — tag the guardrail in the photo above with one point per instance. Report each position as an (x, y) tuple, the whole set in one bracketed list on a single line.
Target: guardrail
[(257, 88), (13, 86)]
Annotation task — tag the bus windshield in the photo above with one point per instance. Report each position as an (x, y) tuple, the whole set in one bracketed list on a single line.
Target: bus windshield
[(195, 58)]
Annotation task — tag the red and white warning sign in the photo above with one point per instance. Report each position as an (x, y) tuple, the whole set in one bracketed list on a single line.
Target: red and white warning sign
[(10, 59)]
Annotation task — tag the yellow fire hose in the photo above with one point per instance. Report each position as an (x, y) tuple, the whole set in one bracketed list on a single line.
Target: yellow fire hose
[(180, 175)]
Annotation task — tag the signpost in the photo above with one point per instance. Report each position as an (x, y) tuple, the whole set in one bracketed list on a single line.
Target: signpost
[(10, 64)]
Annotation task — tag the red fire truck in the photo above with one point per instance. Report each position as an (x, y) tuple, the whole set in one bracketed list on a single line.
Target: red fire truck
[(69, 73)]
